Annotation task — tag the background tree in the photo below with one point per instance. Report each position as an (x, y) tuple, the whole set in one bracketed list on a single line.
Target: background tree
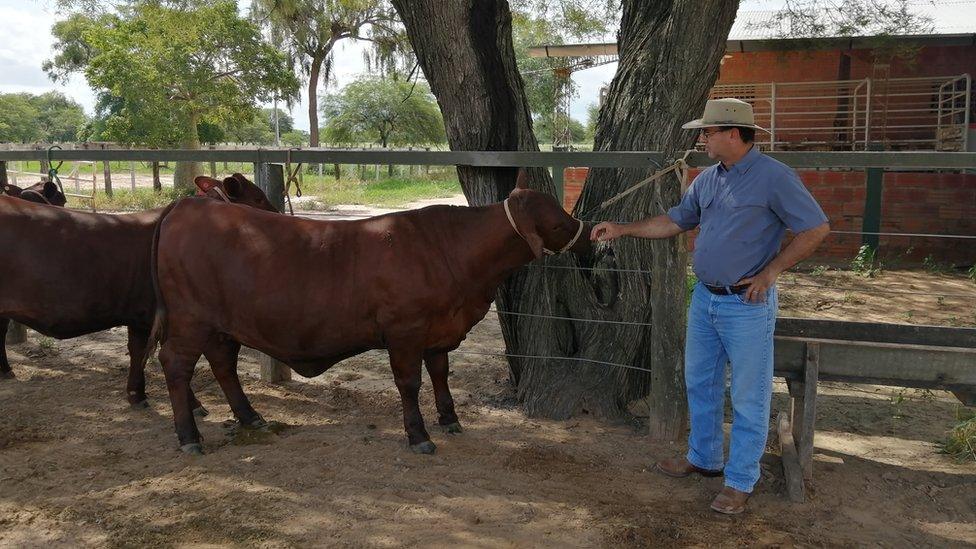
[(389, 112), (310, 29), (47, 117), (669, 57), (18, 119), (168, 69)]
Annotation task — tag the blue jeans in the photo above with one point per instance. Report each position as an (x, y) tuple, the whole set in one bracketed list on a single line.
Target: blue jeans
[(723, 329)]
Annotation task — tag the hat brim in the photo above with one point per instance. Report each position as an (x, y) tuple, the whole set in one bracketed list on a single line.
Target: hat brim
[(700, 123)]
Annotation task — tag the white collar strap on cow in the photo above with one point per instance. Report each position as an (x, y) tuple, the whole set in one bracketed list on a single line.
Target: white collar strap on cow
[(32, 191), (221, 194), (547, 251)]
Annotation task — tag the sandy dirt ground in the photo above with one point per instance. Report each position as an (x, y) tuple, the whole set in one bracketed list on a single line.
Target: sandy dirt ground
[(79, 468)]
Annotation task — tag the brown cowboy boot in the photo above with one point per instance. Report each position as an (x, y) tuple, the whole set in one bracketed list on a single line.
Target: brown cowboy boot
[(680, 467), (730, 501)]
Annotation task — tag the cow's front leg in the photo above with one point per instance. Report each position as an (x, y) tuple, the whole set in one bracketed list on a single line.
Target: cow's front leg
[(437, 369), (135, 386), (5, 371), (178, 368), (406, 373)]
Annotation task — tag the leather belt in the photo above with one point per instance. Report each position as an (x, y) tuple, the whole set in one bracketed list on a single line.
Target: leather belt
[(726, 290)]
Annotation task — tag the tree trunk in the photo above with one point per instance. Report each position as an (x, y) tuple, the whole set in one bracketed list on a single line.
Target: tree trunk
[(669, 59), (185, 171), (313, 101)]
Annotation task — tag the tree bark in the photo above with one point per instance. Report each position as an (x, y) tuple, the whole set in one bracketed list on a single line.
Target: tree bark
[(313, 101), (669, 59), (185, 171)]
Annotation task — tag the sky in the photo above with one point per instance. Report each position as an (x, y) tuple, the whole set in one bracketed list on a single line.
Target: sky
[(27, 44)]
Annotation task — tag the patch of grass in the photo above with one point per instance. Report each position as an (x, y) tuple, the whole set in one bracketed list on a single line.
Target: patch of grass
[(128, 200), (690, 284), (960, 441), (934, 266), (972, 273), (819, 270), (866, 263), (390, 192)]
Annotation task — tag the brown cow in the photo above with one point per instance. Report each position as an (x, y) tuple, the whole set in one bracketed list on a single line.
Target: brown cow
[(45, 192), (312, 293), (68, 273)]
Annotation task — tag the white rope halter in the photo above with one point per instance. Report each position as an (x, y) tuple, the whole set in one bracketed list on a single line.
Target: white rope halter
[(547, 251)]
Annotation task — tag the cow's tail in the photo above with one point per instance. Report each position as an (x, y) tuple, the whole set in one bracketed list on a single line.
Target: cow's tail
[(158, 330)]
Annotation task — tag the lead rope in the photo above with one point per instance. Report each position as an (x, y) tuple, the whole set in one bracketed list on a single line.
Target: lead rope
[(292, 176)]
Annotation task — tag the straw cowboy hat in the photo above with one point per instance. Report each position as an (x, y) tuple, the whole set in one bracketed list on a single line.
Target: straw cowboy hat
[(725, 112)]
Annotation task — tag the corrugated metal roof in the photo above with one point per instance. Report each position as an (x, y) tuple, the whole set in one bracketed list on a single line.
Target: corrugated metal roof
[(946, 16)]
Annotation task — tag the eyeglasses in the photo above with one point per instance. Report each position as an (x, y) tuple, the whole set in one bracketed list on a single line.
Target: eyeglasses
[(706, 134)]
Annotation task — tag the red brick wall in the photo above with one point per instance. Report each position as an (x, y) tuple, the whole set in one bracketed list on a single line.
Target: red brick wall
[(911, 202), (812, 66)]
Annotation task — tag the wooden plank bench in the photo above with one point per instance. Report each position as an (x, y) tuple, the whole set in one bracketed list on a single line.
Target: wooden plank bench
[(810, 350)]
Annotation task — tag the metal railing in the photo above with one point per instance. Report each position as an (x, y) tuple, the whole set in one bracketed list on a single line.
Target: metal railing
[(926, 113)]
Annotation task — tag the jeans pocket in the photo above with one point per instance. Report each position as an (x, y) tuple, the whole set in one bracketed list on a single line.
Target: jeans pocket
[(742, 300)]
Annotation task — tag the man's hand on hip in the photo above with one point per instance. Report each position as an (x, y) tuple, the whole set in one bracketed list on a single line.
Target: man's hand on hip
[(758, 285)]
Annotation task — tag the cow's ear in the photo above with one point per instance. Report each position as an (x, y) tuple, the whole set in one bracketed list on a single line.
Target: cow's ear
[(205, 183), (522, 179), (51, 190), (233, 186), (525, 223)]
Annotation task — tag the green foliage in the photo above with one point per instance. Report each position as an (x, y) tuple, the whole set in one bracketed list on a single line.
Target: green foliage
[(285, 122), (18, 119), (392, 192), (539, 22), (254, 130), (161, 70), (385, 111), (295, 138), (865, 263), (211, 134), (972, 273), (960, 441), (544, 126), (48, 117)]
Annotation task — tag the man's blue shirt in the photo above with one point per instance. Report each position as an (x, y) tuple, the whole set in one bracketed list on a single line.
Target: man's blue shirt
[(743, 213)]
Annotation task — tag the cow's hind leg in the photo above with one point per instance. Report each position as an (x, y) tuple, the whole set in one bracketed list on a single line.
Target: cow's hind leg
[(437, 369), (5, 371), (178, 359), (222, 356), (406, 373), (135, 388)]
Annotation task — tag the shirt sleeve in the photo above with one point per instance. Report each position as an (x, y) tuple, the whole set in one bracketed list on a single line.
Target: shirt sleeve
[(687, 214), (794, 204)]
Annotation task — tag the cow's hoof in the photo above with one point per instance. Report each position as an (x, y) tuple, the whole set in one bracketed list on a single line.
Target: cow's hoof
[(7, 375), (195, 449), (141, 405), (426, 447), (258, 423), (200, 411), (452, 428)]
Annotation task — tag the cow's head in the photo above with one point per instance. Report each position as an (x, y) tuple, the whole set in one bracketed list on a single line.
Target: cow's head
[(543, 223), (45, 192), (237, 189)]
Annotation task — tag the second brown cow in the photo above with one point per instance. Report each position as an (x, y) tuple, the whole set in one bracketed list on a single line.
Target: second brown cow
[(312, 293)]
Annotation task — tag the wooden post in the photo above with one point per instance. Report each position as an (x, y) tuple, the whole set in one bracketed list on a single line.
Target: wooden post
[(132, 175), (107, 171), (557, 181), (271, 179), (157, 184), (213, 166), (16, 333), (791, 463)]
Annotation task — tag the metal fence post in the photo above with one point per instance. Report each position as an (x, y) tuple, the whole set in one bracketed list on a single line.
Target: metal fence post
[(871, 223), (557, 181), (271, 179)]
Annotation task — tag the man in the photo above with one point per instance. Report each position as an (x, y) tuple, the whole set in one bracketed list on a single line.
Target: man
[(743, 205)]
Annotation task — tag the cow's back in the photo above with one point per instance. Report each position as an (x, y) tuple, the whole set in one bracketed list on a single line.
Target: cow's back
[(67, 273)]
